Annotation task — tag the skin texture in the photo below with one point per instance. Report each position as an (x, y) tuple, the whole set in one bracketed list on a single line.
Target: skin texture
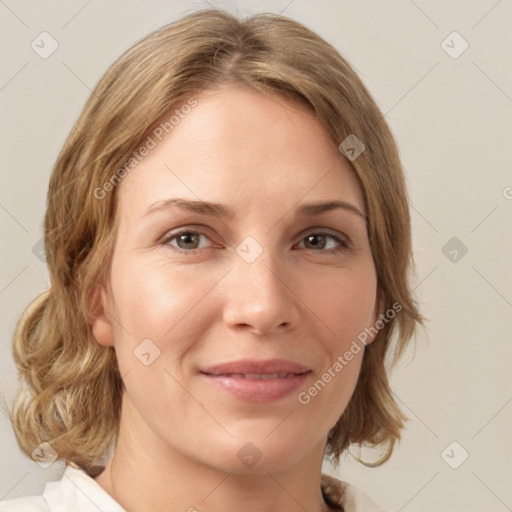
[(179, 437)]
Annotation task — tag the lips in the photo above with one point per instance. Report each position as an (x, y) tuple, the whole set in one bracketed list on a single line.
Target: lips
[(258, 376), (257, 381), (278, 367)]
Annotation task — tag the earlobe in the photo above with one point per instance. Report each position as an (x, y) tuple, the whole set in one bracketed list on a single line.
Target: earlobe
[(101, 323)]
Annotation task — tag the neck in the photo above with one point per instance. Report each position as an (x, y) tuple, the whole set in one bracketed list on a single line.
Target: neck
[(151, 476)]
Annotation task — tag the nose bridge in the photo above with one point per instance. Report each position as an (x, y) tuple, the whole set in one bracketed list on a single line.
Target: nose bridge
[(258, 294), (259, 273)]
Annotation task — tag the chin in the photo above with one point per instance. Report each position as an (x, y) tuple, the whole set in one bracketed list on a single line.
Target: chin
[(260, 453)]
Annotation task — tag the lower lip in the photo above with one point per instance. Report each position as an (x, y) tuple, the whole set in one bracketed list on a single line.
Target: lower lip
[(257, 390)]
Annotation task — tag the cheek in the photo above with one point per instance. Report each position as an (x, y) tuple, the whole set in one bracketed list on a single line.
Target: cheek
[(154, 301), (159, 316), (344, 303)]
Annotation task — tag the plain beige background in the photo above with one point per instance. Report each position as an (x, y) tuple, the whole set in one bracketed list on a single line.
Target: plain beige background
[(450, 108)]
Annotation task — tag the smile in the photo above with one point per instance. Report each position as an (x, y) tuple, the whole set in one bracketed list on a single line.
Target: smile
[(256, 376), (257, 381)]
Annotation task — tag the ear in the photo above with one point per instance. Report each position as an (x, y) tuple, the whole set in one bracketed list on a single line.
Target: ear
[(101, 322)]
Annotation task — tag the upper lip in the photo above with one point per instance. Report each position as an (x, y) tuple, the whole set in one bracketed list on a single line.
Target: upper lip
[(253, 366)]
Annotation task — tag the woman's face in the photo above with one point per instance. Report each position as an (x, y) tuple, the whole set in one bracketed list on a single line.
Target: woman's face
[(223, 322)]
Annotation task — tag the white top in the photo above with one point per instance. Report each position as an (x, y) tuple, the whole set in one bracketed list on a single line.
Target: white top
[(78, 492)]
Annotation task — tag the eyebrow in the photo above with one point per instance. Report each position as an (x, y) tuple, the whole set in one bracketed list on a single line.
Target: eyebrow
[(222, 211)]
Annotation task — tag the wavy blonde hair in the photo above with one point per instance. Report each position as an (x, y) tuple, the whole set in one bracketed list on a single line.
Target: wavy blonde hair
[(71, 389)]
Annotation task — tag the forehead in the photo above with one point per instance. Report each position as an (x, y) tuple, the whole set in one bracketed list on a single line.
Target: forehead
[(242, 148)]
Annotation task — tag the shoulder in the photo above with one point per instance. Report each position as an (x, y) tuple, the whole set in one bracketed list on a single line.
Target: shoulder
[(29, 504), (345, 496), (75, 491)]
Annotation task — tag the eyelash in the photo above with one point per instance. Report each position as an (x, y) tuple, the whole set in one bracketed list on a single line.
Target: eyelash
[(344, 246)]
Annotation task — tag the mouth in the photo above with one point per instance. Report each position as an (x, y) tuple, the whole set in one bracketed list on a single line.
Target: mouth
[(255, 376), (257, 381)]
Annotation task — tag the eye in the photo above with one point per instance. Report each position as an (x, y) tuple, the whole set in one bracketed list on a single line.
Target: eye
[(186, 241), (320, 240)]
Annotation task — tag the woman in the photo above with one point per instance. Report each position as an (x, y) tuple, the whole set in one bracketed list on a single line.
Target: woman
[(227, 235)]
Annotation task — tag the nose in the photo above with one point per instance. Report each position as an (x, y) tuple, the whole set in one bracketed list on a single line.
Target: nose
[(259, 297)]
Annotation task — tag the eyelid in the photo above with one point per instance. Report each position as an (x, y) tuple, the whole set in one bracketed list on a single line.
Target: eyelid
[(171, 235), (342, 239), (200, 229), (318, 230)]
